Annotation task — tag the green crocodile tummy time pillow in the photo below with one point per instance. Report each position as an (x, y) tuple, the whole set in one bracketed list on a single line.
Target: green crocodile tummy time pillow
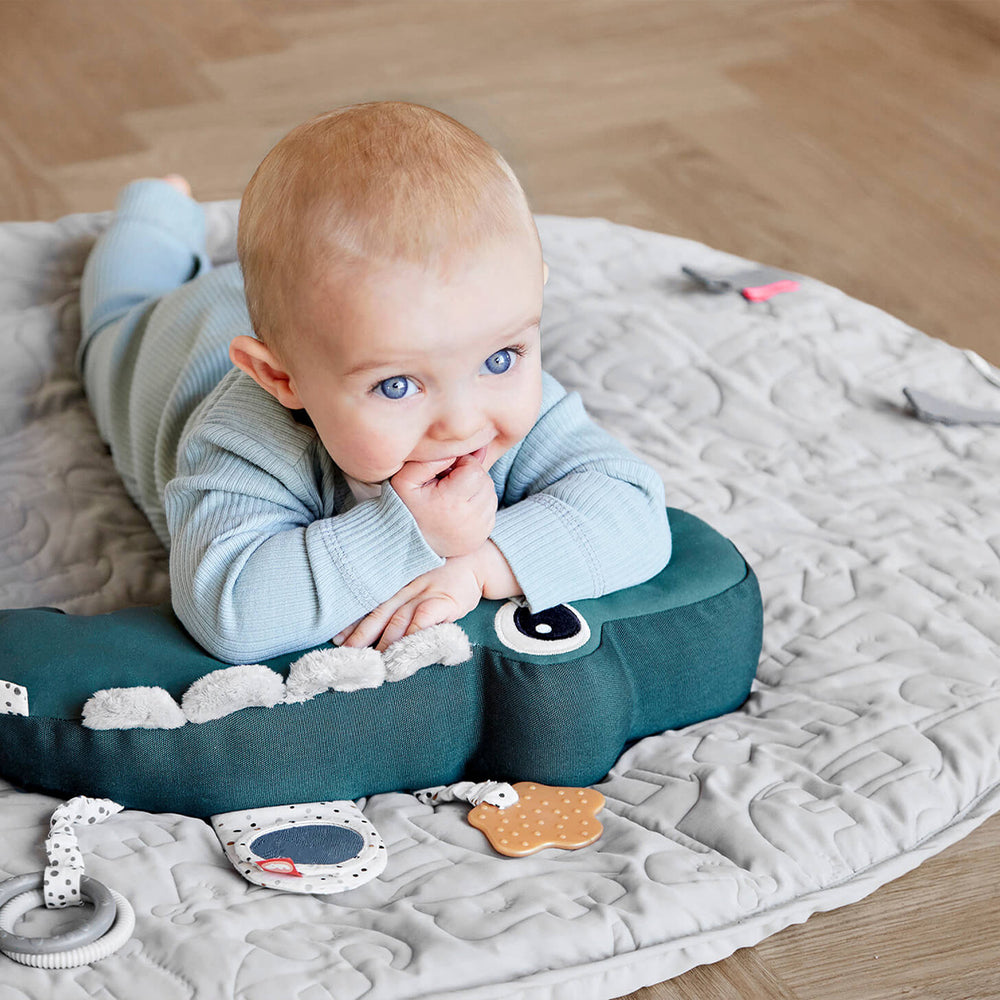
[(127, 706)]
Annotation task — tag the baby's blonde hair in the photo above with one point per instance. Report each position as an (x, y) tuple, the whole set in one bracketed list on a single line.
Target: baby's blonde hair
[(379, 182)]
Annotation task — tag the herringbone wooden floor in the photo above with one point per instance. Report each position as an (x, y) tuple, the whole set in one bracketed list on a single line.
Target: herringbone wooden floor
[(854, 141)]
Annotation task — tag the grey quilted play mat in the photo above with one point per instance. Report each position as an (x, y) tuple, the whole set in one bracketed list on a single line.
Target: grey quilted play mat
[(869, 742)]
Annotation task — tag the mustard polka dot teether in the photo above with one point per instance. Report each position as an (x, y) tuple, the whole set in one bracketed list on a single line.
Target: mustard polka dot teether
[(544, 816)]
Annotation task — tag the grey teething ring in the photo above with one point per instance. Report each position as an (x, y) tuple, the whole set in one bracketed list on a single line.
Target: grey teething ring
[(84, 933)]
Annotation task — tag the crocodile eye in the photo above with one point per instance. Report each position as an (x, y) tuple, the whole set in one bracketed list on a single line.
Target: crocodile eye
[(550, 625), (548, 633)]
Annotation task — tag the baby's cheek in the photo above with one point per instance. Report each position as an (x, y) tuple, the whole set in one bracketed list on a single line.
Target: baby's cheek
[(525, 418), (378, 449)]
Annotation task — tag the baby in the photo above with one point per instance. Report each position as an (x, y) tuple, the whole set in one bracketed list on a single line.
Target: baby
[(350, 434)]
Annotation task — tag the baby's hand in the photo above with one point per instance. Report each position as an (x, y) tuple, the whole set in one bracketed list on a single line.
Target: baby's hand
[(444, 594), (455, 506)]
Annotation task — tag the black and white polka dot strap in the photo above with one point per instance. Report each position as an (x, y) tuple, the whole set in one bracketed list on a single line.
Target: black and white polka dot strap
[(494, 793), (65, 867)]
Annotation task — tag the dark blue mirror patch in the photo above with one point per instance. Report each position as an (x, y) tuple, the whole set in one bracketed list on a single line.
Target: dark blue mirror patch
[(314, 844)]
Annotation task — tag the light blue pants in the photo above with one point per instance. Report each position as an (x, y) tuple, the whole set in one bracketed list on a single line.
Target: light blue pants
[(154, 244)]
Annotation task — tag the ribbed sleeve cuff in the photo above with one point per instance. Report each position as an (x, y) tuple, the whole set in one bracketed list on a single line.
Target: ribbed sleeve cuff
[(544, 541), (377, 548)]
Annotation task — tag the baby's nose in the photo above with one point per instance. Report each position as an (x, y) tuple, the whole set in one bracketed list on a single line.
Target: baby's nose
[(459, 419)]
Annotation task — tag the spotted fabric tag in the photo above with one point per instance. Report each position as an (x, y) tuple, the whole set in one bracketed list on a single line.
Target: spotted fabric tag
[(13, 698), (62, 875), (495, 793)]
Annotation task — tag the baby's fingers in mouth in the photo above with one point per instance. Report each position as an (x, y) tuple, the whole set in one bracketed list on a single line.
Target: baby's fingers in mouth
[(478, 456)]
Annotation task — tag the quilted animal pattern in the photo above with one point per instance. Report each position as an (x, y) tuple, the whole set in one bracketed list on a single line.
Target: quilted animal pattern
[(868, 744)]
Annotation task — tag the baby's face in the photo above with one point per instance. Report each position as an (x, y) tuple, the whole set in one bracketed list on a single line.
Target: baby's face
[(403, 364)]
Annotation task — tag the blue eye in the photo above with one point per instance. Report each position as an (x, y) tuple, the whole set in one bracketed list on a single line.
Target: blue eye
[(397, 387), (498, 363)]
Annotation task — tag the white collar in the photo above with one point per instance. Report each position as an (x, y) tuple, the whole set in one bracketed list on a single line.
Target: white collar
[(363, 491)]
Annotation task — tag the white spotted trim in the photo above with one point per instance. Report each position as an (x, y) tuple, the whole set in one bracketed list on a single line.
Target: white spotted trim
[(61, 885), (494, 793), (239, 830), (13, 698)]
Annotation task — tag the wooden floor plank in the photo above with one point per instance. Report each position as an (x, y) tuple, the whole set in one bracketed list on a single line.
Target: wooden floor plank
[(215, 31), (49, 102), (933, 931)]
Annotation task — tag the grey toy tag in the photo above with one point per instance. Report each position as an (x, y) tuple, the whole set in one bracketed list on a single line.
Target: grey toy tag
[(759, 284), (933, 409)]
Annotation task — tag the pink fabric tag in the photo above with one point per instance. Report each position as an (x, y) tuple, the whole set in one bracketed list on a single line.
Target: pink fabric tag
[(761, 293)]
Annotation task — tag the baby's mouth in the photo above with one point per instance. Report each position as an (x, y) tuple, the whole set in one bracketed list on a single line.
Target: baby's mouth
[(479, 455)]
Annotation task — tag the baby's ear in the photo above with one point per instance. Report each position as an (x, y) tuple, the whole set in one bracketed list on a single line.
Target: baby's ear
[(265, 368)]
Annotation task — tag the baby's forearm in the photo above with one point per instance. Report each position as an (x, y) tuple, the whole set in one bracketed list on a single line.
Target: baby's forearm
[(249, 585)]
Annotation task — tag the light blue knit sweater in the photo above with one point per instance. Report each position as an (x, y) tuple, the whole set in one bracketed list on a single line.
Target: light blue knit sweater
[(269, 550)]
